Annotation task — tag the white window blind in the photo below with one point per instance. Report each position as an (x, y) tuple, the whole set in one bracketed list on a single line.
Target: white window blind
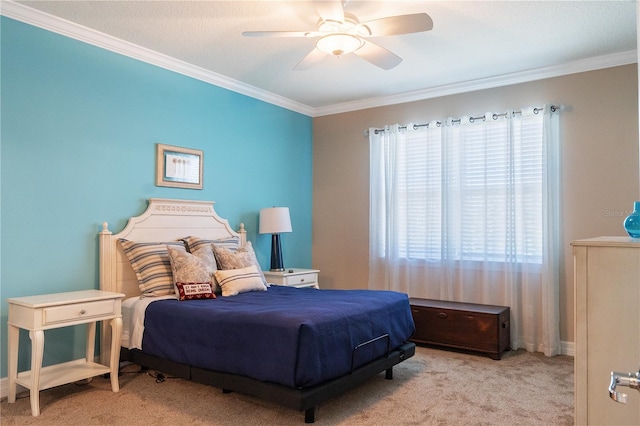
[(470, 191)]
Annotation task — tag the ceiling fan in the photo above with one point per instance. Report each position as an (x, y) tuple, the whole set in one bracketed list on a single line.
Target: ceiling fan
[(339, 33)]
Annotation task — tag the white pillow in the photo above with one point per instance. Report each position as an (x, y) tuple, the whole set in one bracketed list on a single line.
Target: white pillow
[(236, 281)]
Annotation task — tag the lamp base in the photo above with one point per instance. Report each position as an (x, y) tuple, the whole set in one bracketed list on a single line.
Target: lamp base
[(276, 254)]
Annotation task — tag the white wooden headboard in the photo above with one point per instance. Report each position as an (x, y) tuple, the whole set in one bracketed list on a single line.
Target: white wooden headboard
[(163, 220)]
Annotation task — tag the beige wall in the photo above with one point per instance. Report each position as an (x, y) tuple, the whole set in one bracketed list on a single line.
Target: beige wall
[(600, 173)]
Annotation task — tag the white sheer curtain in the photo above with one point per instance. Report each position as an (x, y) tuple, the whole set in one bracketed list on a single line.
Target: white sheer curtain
[(467, 210)]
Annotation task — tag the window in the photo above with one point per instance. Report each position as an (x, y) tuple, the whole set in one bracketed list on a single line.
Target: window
[(469, 189), (468, 210)]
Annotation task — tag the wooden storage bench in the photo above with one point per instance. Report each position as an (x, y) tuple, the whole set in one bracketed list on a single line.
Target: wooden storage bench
[(464, 326)]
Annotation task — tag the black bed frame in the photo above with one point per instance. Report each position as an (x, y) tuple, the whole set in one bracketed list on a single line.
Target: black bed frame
[(301, 399)]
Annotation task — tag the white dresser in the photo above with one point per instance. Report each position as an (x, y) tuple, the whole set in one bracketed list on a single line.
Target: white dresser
[(607, 327)]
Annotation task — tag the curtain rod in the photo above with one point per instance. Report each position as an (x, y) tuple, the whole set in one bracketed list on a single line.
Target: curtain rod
[(536, 110)]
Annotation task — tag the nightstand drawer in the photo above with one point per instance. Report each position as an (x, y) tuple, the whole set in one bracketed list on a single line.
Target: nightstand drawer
[(302, 279), (78, 311)]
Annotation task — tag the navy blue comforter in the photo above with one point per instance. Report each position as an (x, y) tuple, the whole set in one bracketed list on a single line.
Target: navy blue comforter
[(297, 337)]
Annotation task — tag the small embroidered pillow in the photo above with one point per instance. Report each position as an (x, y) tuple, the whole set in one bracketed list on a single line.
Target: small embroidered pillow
[(191, 291)]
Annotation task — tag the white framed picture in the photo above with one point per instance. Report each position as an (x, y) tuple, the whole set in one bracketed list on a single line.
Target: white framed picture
[(179, 167)]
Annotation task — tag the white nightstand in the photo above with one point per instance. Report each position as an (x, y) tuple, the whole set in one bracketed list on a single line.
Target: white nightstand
[(294, 277), (39, 313)]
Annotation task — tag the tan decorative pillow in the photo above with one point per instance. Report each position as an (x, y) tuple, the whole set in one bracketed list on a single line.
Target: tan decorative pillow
[(197, 267), (241, 258), (236, 281)]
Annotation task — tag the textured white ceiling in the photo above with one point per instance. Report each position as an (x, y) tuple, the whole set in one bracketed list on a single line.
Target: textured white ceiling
[(470, 41)]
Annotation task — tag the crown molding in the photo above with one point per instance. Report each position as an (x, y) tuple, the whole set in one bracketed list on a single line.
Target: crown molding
[(584, 65), (75, 31), (61, 26)]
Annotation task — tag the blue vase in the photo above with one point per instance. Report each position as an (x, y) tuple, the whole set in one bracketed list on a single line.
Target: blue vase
[(632, 222)]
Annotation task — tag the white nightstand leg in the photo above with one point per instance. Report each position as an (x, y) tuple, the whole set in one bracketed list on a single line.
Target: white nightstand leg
[(91, 341), (37, 349), (91, 345), (116, 332), (12, 339)]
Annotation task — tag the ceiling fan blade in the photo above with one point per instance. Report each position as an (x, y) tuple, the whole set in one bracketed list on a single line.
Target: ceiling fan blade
[(313, 58), (378, 55), (330, 10), (400, 24), (278, 33)]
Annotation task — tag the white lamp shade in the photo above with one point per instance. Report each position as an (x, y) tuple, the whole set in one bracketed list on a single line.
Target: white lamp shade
[(275, 220)]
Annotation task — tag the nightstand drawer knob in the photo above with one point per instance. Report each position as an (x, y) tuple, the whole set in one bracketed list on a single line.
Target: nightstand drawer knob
[(442, 315), (82, 312)]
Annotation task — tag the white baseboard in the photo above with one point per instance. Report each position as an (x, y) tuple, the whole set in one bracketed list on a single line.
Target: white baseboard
[(4, 388), (567, 348)]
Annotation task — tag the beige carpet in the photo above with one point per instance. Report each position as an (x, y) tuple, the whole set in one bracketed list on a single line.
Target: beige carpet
[(432, 388)]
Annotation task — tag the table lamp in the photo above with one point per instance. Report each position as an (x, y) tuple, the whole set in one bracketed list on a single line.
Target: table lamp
[(274, 221)]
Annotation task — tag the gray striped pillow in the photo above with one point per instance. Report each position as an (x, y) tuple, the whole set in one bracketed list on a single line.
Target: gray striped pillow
[(194, 243), (151, 263)]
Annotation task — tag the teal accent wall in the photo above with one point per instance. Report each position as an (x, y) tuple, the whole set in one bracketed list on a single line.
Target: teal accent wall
[(79, 129)]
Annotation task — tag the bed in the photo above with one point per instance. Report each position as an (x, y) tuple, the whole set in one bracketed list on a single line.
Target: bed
[(296, 347)]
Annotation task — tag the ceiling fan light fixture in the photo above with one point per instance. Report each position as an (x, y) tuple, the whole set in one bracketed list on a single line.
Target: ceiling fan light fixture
[(339, 44)]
